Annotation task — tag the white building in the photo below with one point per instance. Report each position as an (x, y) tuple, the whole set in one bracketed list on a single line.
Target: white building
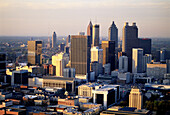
[(137, 59), (123, 63)]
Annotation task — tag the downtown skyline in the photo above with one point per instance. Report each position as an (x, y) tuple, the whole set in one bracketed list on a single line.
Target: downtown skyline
[(42, 17)]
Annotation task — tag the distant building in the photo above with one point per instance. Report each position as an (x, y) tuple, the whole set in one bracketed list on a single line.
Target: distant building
[(96, 35), (2, 66), (80, 54), (147, 58), (156, 69), (54, 39), (69, 72), (35, 52), (59, 82), (109, 53), (145, 44), (163, 55), (61, 46), (68, 40), (123, 63), (90, 31), (113, 34), (137, 59), (136, 98)]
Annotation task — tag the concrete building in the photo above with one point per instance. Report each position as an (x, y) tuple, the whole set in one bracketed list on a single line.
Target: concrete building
[(35, 82), (59, 62), (35, 52), (54, 39), (136, 98), (113, 34), (106, 95), (156, 69), (96, 35), (106, 68), (69, 72), (137, 60), (2, 66), (59, 82), (147, 58), (94, 66), (90, 31), (97, 55), (123, 63), (80, 54), (126, 77), (109, 53)]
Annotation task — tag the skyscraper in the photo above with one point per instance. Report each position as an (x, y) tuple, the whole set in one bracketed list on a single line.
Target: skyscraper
[(109, 53), (2, 66), (129, 41), (34, 52), (123, 63), (147, 58), (54, 38), (80, 54), (59, 62), (113, 34), (137, 60), (136, 98), (90, 31), (68, 41), (95, 35)]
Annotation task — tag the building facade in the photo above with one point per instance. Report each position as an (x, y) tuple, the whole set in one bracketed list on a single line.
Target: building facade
[(54, 39), (113, 34), (96, 38), (123, 63)]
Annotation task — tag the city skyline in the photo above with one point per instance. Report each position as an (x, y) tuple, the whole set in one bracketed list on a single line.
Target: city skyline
[(41, 18)]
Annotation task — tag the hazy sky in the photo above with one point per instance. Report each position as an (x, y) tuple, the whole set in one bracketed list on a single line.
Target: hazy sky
[(42, 17)]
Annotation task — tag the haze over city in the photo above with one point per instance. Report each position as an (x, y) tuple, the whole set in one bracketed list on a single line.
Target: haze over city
[(41, 17)]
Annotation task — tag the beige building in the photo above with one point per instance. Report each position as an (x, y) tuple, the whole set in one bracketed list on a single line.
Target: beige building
[(59, 82), (156, 69), (135, 98), (59, 62)]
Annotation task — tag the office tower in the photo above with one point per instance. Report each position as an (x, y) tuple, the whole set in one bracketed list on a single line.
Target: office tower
[(121, 54), (34, 52), (61, 46), (106, 68), (123, 63), (168, 65), (54, 39), (97, 55), (69, 72), (137, 59), (163, 55), (80, 51), (94, 66), (90, 31), (59, 62), (2, 66), (136, 98), (147, 58), (109, 53), (113, 34), (49, 43), (95, 35), (129, 41), (66, 49), (145, 44), (68, 41)]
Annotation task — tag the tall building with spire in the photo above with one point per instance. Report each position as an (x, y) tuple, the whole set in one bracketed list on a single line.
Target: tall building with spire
[(95, 35), (54, 39), (113, 34), (90, 31)]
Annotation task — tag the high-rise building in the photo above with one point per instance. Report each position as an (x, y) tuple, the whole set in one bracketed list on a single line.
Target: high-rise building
[(137, 59), (69, 72), (2, 66), (90, 31), (34, 52), (68, 41), (129, 41), (54, 39), (136, 98), (59, 62), (94, 66), (62, 45), (147, 58), (49, 43), (123, 63), (113, 34), (80, 54), (163, 55), (145, 44), (97, 55), (95, 35), (109, 53)]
